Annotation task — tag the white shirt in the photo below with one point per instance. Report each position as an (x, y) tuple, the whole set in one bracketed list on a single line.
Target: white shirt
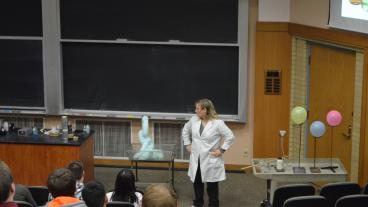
[(138, 203)]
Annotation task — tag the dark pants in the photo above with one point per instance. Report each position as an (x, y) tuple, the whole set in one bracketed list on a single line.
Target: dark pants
[(212, 191)]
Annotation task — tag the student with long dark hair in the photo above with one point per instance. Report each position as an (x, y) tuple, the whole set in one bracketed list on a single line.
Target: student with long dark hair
[(125, 189)]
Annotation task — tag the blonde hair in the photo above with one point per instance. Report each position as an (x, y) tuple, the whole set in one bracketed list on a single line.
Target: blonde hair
[(4, 166), (159, 196), (208, 105)]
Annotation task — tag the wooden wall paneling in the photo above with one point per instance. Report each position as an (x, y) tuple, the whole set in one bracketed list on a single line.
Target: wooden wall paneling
[(271, 112), (272, 27), (347, 38)]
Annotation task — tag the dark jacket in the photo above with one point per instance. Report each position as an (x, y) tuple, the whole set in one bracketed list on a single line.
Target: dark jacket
[(23, 194)]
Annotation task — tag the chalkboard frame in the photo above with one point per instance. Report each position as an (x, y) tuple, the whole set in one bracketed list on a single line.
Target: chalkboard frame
[(52, 68), (242, 43)]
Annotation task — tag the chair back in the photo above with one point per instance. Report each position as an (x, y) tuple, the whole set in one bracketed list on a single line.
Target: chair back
[(306, 201), (40, 194), (285, 192), (23, 204), (353, 201), (333, 191), (365, 189), (119, 204)]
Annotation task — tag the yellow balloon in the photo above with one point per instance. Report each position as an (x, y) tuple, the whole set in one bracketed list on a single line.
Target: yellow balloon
[(298, 115)]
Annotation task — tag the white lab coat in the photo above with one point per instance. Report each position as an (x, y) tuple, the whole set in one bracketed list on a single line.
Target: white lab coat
[(212, 168)]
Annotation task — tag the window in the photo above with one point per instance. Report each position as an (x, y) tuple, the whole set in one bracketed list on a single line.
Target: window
[(21, 122), (111, 139), (170, 133)]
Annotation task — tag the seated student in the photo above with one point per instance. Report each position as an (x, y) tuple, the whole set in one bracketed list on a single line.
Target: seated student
[(7, 189), (22, 193), (159, 196), (125, 189), (76, 167), (61, 184), (94, 194)]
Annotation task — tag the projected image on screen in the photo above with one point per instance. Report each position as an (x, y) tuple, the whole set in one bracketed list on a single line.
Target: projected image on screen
[(356, 9)]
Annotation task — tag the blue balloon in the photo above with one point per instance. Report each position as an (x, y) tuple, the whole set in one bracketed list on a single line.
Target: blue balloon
[(317, 129)]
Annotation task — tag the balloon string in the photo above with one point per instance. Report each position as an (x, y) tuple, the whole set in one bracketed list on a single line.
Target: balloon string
[(314, 163), (300, 142), (331, 145)]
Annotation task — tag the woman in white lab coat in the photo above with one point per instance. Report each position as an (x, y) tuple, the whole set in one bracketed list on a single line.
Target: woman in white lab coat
[(202, 136)]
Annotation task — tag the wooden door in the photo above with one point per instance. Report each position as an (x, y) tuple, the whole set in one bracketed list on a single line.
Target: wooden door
[(332, 87)]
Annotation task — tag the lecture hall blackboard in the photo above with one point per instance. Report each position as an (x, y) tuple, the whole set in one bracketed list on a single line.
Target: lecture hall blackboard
[(149, 78)]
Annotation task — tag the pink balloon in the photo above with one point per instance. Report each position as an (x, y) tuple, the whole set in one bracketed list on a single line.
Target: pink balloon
[(333, 118)]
